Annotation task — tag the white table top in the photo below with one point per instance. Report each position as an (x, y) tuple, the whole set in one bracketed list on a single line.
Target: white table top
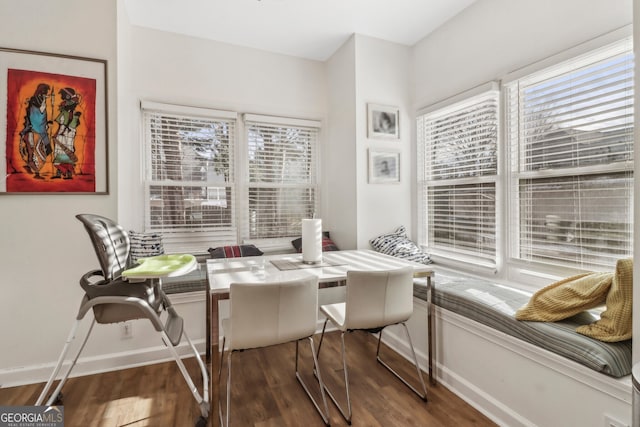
[(334, 267)]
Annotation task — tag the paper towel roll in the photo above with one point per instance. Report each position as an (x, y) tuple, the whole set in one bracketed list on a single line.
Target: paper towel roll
[(311, 240)]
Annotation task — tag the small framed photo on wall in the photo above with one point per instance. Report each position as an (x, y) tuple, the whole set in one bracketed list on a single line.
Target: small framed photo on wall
[(384, 167), (383, 122)]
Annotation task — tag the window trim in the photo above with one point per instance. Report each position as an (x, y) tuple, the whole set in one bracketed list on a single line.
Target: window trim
[(240, 171), (568, 65), (178, 240), (273, 243), (450, 257)]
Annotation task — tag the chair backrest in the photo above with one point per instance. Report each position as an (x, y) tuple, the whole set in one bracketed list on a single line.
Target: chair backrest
[(110, 241), (264, 314), (378, 298)]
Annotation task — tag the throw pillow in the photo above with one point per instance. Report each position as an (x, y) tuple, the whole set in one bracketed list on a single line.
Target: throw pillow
[(399, 245), (615, 322), (234, 251), (144, 245), (327, 243)]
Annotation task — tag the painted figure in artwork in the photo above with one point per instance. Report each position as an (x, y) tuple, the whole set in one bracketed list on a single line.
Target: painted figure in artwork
[(64, 157), (35, 145)]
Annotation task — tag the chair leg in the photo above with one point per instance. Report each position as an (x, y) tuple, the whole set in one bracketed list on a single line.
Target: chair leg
[(63, 354), (324, 327), (203, 401), (423, 394), (345, 414), (324, 414)]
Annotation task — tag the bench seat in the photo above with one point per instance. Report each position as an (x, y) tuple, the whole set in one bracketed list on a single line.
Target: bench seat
[(494, 305), (191, 282)]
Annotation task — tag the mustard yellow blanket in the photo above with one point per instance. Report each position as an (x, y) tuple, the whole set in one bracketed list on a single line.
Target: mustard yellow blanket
[(572, 295)]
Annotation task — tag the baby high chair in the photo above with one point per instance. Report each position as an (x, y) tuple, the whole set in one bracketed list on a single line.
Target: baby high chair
[(119, 292)]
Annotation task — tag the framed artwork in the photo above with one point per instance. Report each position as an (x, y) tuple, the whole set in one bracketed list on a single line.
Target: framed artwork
[(384, 167), (383, 122), (53, 124)]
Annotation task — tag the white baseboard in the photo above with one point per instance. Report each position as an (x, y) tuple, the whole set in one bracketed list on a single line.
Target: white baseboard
[(97, 364)]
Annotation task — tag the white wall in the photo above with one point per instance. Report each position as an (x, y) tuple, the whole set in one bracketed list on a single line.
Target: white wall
[(494, 37), (366, 70), (43, 249), (381, 77), (340, 169), (175, 69)]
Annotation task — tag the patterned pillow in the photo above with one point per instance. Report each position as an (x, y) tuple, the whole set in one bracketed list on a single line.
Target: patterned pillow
[(234, 251), (144, 245), (399, 245), (327, 243)]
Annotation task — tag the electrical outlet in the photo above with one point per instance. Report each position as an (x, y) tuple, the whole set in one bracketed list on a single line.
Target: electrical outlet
[(127, 330), (610, 422)]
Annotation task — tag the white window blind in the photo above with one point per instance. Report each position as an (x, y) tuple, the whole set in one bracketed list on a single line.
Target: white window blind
[(458, 163), (282, 175), (570, 134), (189, 176)]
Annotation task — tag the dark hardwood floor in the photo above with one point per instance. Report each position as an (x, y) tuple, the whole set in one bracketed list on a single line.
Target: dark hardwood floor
[(264, 392)]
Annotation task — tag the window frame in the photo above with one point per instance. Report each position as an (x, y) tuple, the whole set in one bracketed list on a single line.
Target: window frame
[(536, 271), (282, 242), (455, 104), (238, 181)]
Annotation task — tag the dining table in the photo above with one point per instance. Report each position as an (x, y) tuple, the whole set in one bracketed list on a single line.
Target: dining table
[(331, 271)]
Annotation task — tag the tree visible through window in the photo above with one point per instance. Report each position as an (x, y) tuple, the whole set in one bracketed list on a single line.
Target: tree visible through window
[(282, 177), (190, 178), (193, 195)]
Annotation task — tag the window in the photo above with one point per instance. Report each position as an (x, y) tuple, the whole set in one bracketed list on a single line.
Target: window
[(192, 161), (282, 180), (570, 136), (189, 176), (458, 166)]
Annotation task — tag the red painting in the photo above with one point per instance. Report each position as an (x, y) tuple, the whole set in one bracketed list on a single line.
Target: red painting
[(51, 133)]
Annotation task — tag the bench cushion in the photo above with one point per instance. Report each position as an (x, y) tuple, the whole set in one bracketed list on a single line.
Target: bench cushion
[(191, 282), (494, 305)]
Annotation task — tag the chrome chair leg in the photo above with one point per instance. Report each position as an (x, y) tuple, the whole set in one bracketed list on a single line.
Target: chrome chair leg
[(423, 394), (325, 414), (345, 414), (324, 327)]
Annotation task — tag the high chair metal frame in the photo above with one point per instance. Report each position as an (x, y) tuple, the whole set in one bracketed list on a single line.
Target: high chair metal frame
[(113, 299)]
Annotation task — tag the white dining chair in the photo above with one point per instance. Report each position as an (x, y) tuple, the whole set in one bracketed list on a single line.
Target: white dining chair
[(375, 300), (266, 314)]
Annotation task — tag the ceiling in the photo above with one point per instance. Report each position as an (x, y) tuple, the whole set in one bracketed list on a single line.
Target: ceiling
[(312, 29)]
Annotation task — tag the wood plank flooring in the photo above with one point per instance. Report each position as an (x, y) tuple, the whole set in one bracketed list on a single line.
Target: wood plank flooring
[(265, 392)]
